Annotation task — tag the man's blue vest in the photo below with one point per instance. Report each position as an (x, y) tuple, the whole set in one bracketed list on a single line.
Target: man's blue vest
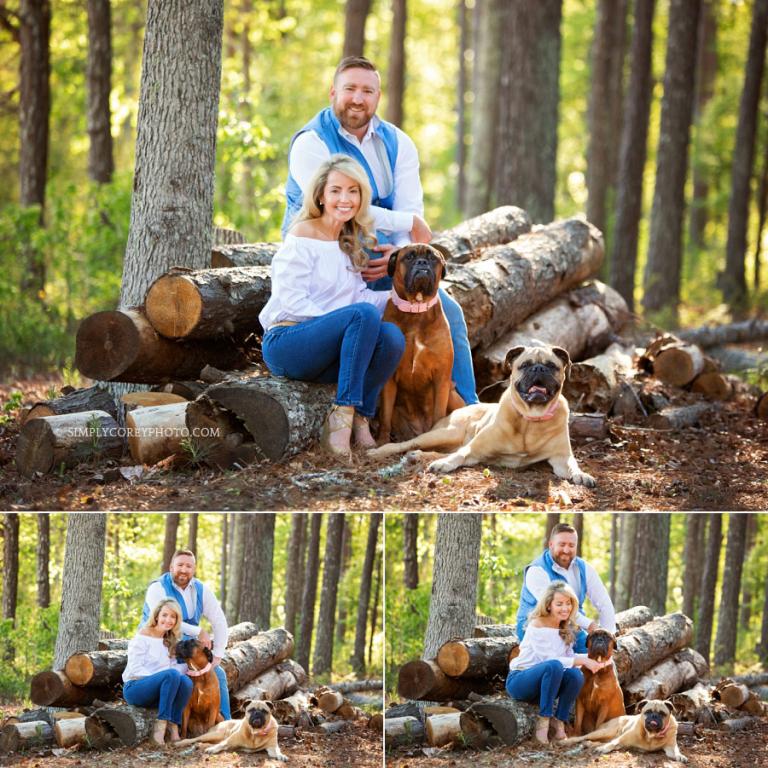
[(171, 591), (326, 125), (527, 599)]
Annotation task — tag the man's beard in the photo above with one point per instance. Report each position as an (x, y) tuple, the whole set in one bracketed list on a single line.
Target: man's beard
[(559, 558), (352, 119)]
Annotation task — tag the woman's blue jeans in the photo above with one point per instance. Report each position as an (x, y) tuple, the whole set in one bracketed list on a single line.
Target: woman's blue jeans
[(545, 682), (168, 690), (349, 346)]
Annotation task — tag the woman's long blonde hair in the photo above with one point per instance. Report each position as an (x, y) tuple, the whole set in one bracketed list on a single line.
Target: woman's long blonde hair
[(172, 636), (569, 627), (357, 233)]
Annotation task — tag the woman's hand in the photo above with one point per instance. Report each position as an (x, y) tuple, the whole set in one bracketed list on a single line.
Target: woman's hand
[(595, 666), (377, 268)]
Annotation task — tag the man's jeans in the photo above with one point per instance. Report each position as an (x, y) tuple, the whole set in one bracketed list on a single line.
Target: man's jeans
[(349, 346), (545, 682), (168, 690), (225, 710)]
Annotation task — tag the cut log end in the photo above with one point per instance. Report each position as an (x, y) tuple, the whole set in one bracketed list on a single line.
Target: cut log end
[(174, 306), (453, 658), (105, 341)]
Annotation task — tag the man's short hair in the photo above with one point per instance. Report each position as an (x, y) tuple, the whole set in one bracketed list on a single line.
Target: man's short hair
[(562, 528), (185, 552), (354, 62)]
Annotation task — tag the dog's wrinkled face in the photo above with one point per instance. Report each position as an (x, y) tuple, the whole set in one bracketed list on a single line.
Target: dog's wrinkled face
[(655, 715), (600, 645), (257, 713), (194, 653), (537, 373), (416, 271)]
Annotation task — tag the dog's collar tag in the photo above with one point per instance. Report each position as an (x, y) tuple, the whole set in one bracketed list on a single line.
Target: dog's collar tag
[(546, 416), (199, 672), (414, 307)]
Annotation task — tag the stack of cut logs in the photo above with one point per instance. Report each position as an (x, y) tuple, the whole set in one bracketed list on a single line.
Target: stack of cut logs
[(465, 703), (78, 705), (196, 331)]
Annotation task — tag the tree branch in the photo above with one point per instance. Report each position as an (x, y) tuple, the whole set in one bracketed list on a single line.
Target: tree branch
[(6, 23)]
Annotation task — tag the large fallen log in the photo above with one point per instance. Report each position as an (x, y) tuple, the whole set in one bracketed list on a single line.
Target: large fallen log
[(47, 443), (89, 399), (423, 679), (633, 617), (277, 682), (581, 321), (676, 673), (713, 385), (17, 737), (688, 703), (400, 731), (248, 659), (289, 709), (678, 364), (644, 647), (53, 688), (732, 333), (736, 359), (208, 303), (510, 721), (123, 346), (478, 657), (494, 630), (512, 281), (594, 383), (243, 254), (131, 724), (96, 667), (679, 417), (354, 686)]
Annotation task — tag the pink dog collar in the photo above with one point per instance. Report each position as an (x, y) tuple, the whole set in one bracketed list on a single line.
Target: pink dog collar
[(267, 728), (546, 416), (414, 307), (199, 672)]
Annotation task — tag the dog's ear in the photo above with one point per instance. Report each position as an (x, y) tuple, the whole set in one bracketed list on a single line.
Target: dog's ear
[(270, 706), (589, 640), (445, 255), (392, 263), (670, 706), (208, 654), (640, 704), (512, 355), (566, 359)]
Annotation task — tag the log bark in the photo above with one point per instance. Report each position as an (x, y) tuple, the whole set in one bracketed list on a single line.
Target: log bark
[(276, 683), (510, 721), (208, 303), (494, 630), (423, 679), (47, 443), (736, 724), (53, 688), (679, 417), (131, 724), (134, 400), (243, 254), (753, 680), (633, 617), (676, 673), (218, 438), (678, 364), (732, 333), (70, 732), (581, 321), (290, 708), (644, 647), (100, 734), (242, 631), (20, 736), (157, 432), (594, 383), (354, 686), (476, 657), (248, 659), (512, 281), (329, 701), (713, 385), (443, 729), (96, 667), (123, 346), (402, 731), (89, 399), (688, 703), (733, 695), (736, 359), (189, 390)]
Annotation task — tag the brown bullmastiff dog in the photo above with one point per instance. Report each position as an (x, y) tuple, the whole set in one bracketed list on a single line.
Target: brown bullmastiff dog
[(202, 710), (600, 698), (654, 729), (255, 732), (420, 392), (528, 424)]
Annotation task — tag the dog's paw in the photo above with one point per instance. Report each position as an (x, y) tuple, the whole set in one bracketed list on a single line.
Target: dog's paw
[(442, 466), (603, 749), (582, 478), (681, 758)]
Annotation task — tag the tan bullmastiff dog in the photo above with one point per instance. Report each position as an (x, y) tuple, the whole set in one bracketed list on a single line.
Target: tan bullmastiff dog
[(528, 424), (257, 731), (654, 729), (420, 392)]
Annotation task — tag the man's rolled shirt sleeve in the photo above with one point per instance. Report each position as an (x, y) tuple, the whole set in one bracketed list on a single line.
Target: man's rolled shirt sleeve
[(215, 615), (599, 597)]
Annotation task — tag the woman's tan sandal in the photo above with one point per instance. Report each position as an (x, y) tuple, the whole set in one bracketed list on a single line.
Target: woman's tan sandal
[(559, 730), (337, 430), (158, 732), (361, 431), (542, 730)]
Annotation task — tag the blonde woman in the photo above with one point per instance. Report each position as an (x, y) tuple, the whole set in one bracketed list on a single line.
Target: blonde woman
[(322, 323), (547, 667), (152, 677)]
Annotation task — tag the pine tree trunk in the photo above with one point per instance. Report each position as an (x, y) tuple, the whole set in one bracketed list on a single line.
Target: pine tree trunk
[(661, 282), (294, 572), (396, 79), (728, 617), (693, 563), (322, 661), (454, 580), (225, 560), (745, 612), (551, 520), (172, 203), (708, 582), (762, 648), (192, 534), (342, 600), (411, 549), (375, 606), (10, 570), (238, 526), (632, 155), (99, 77), (43, 557), (169, 543), (627, 536), (354, 27), (258, 556), (649, 585), (309, 593), (462, 14), (358, 655), (81, 585)]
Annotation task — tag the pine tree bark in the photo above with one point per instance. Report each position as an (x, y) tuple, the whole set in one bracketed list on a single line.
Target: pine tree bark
[(529, 97), (99, 78), (309, 593), (172, 520), (410, 549), (693, 563), (322, 661), (375, 606), (461, 103), (762, 648), (708, 582), (396, 77), (43, 557), (355, 17), (223, 581), (733, 281), (649, 583), (342, 600), (192, 532), (10, 566), (258, 556), (238, 526), (661, 282), (454, 580), (172, 203), (358, 655), (294, 576), (745, 612), (728, 616), (81, 585), (632, 154), (627, 536)]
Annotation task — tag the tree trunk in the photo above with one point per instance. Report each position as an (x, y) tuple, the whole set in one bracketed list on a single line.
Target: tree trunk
[(43, 557), (396, 77), (551, 520), (291, 708), (402, 731), (343, 602), (258, 556), (354, 27), (172, 202), (494, 630), (89, 399), (322, 661), (294, 572), (679, 418), (692, 558), (728, 617), (708, 582), (247, 660), (632, 154), (454, 580), (678, 364), (649, 584), (366, 579), (745, 611), (462, 21), (482, 657), (411, 550), (192, 532), (99, 77), (762, 647), (627, 537), (762, 214), (235, 576), (81, 585), (309, 593), (529, 97), (172, 520), (375, 606), (661, 283), (444, 729), (676, 673), (225, 560), (10, 573)]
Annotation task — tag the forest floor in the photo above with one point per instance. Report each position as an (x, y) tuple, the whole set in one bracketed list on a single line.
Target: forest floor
[(712, 749), (722, 464)]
